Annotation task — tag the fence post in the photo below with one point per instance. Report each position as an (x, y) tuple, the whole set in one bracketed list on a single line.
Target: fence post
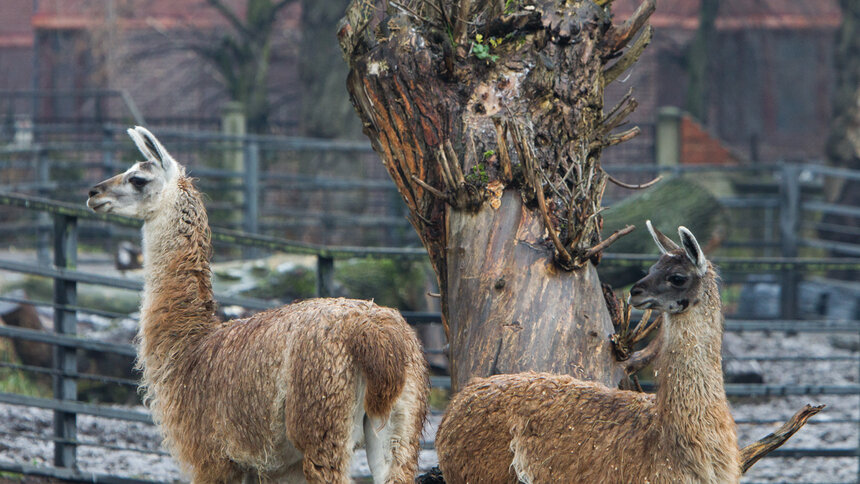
[(789, 218), (667, 145), (233, 126), (65, 322), (252, 187), (252, 193), (43, 176), (325, 276), (108, 169)]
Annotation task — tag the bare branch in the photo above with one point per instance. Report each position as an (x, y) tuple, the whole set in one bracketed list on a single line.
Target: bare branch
[(502, 146), (607, 242), (616, 138), (563, 255), (643, 357), (433, 191), (632, 187), (283, 3), (230, 16), (620, 103), (641, 333), (630, 57), (622, 35), (461, 21), (454, 165), (447, 177), (413, 13), (758, 449), (623, 136), (621, 114)]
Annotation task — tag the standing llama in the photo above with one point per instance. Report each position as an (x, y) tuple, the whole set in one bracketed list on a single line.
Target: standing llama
[(286, 394), (543, 428)]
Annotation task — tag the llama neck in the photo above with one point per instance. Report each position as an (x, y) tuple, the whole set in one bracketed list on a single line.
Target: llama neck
[(178, 303), (691, 398)]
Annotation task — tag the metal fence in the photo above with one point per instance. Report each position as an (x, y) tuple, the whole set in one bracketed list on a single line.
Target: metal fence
[(66, 407), (257, 182)]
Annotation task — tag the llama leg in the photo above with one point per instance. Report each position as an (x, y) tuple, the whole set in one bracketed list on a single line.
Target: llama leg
[(378, 447), (216, 472), (400, 436), (320, 424)]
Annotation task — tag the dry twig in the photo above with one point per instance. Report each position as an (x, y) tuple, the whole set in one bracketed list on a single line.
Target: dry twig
[(502, 146), (632, 187), (433, 191), (758, 449), (622, 35), (630, 57), (607, 242)]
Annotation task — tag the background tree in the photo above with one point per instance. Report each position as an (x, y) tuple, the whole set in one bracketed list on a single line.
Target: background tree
[(241, 55), (326, 109), (843, 144), (696, 60)]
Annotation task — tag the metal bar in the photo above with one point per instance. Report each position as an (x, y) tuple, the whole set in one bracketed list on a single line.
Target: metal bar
[(76, 407), (67, 341), (69, 474), (843, 247), (792, 326), (325, 276), (118, 282), (815, 421), (844, 173), (79, 376), (65, 324), (798, 453), (87, 443), (791, 358), (831, 208), (748, 264), (80, 309), (749, 202)]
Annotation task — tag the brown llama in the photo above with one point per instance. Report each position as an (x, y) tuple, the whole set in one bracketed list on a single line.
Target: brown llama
[(286, 394), (545, 428)]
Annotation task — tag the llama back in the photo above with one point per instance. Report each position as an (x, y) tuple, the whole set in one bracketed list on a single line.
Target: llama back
[(534, 422)]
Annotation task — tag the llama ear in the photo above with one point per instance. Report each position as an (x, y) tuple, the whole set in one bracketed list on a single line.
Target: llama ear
[(694, 252), (152, 149), (664, 243)]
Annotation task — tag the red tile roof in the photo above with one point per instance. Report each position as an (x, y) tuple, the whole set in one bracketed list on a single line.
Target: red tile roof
[(15, 30), (74, 14), (699, 147), (741, 14)]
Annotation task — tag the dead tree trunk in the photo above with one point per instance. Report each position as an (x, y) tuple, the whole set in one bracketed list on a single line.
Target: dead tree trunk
[(489, 117)]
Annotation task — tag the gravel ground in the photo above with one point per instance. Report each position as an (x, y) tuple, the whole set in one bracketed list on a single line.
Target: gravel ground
[(18, 424)]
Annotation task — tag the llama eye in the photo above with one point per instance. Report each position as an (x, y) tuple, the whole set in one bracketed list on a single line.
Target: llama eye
[(677, 279), (138, 182)]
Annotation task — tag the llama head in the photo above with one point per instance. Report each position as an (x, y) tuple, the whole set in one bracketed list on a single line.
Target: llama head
[(140, 190), (674, 283)]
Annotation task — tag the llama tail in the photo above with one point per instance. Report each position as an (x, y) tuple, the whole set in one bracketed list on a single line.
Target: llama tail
[(383, 346)]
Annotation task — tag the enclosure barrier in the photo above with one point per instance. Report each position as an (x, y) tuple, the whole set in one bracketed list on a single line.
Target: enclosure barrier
[(65, 374)]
